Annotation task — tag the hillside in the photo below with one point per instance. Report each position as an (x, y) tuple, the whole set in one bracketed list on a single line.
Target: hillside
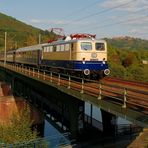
[(20, 34), (128, 43)]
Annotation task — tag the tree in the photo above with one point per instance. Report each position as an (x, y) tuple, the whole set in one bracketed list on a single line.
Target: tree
[(31, 40), (117, 70), (137, 72)]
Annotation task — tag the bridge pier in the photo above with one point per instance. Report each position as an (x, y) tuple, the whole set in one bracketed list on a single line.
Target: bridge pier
[(109, 124), (62, 108), (6, 89), (77, 118), (12, 105)]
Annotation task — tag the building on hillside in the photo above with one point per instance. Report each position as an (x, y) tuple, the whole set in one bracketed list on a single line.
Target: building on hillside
[(144, 61)]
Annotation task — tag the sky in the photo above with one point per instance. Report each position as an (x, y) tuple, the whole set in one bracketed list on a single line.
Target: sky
[(105, 18)]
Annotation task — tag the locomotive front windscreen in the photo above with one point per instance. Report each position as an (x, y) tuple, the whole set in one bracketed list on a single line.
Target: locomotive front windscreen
[(100, 46), (86, 46)]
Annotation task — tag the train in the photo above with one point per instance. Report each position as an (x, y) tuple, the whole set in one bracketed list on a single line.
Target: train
[(79, 54)]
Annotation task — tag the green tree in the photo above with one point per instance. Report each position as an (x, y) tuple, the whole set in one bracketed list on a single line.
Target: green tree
[(117, 70), (31, 40), (129, 60), (137, 72)]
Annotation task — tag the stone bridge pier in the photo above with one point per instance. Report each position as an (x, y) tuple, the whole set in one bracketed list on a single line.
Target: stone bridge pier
[(10, 105)]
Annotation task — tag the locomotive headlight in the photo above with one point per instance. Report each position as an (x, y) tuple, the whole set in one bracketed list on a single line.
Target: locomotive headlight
[(83, 60), (103, 61)]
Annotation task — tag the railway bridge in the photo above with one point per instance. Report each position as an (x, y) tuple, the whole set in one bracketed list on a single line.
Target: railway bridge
[(63, 97)]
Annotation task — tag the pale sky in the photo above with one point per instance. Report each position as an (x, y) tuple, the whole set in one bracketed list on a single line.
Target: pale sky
[(105, 18)]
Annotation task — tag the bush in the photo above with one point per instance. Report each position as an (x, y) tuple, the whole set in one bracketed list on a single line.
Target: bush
[(138, 72), (19, 130), (117, 70)]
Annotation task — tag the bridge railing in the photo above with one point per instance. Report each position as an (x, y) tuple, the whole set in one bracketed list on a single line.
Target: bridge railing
[(127, 129), (120, 130), (121, 95)]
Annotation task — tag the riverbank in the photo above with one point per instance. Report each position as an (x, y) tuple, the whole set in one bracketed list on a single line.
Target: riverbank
[(141, 140)]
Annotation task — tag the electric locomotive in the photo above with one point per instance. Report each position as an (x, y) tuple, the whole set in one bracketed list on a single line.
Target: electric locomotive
[(79, 54)]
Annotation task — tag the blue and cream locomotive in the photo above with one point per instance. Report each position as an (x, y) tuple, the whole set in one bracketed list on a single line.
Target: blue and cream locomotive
[(76, 55)]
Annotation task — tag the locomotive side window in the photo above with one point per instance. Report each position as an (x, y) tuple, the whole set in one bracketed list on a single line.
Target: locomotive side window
[(86, 46), (67, 46), (100, 46)]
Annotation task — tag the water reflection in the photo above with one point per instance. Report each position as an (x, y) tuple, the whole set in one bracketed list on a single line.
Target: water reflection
[(49, 130), (96, 114)]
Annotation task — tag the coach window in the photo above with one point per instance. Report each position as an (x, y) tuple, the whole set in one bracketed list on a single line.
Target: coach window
[(100, 46), (86, 46), (51, 48), (58, 48), (62, 47), (44, 49), (47, 49), (54, 48)]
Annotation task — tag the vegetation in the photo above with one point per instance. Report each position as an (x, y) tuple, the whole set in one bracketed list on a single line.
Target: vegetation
[(128, 64), (20, 34), (128, 43), (125, 53), (19, 130)]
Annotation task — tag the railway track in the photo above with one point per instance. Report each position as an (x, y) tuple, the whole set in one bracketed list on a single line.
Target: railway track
[(126, 94), (128, 83)]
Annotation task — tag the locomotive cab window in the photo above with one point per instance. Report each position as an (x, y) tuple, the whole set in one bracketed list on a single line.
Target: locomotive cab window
[(86, 46), (100, 46)]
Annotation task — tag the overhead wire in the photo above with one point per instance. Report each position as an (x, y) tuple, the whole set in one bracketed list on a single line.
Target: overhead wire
[(120, 22), (96, 26), (80, 10), (105, 11), (100, 12)]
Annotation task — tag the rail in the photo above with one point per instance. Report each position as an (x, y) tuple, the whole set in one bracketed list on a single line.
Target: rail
[(126, 97)]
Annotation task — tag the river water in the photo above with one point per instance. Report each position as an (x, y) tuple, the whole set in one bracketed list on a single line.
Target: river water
[(49, 130)]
